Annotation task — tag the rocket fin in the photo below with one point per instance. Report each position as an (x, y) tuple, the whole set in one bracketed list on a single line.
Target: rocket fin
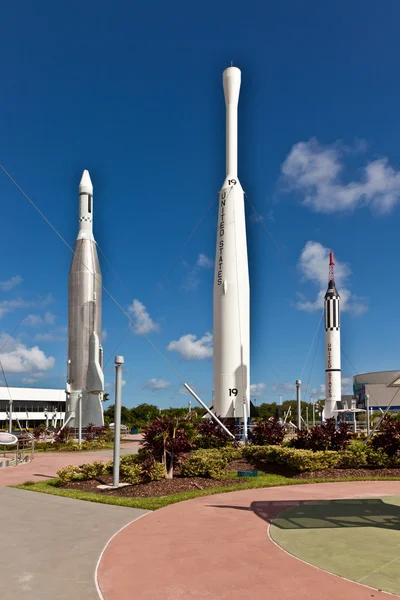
[(95, 378)]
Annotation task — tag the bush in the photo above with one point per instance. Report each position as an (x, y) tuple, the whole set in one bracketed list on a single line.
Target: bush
[(93, 470), (231, 452), (98, 444), (131, 474), (205, 463), (68, 473), (267, 433), (211, 435), (62, 436), (377, 458), (388, 438), (327, 436), (291, 458)]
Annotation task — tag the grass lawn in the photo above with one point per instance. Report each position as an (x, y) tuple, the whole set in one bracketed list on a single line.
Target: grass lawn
[(262, 481)]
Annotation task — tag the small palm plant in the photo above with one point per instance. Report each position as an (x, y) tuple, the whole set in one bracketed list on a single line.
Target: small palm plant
[(167, 438)]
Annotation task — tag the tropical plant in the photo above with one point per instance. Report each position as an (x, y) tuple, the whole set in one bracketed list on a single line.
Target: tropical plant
[(388, 437), (167, 438), (267, 433), (328, 436), (211, 435)]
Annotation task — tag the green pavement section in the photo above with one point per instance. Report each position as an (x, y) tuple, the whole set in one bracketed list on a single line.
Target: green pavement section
[(358, 539)]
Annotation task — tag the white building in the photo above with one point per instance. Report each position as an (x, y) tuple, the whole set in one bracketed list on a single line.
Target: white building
[(32, 406), (382, 388)]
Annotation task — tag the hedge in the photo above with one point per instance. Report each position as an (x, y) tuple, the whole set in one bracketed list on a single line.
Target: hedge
[(355, 457)]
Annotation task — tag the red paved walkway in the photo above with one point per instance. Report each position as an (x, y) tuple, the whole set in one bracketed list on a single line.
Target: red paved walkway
[(218, 548), (45, 465)]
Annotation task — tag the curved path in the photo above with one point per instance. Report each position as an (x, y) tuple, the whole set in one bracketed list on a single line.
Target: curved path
[(218, 548), (46, 464)]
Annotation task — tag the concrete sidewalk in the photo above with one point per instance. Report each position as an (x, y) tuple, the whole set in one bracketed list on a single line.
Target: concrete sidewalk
[(50, 545)]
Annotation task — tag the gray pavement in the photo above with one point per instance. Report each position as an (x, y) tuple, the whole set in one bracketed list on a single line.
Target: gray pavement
[(50, 545)]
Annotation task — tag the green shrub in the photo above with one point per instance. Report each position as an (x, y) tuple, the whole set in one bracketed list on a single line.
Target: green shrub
[(68, 473), (205, 463), (377, 458), (231, 452), (130, 459), (349, 459), (131, 474), (93, 470), (94, 444), (291, 458), (156, 472)]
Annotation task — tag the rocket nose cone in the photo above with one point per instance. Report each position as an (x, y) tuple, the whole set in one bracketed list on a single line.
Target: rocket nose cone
[(231, 79), (85, 185)]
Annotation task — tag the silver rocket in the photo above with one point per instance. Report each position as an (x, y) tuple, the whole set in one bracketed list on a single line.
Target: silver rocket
[(333, 375), (231, 278), (85, 378)]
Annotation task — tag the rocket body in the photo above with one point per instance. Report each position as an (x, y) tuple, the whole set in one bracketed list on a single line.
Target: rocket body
[(231, 278), (333, 376), (85, 377)]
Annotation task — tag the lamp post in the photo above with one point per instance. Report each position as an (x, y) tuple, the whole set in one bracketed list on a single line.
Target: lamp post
[(298, 392), (119, 361)]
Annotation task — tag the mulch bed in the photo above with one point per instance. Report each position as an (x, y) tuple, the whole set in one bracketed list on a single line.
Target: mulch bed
[(154, 489), (344, 473)]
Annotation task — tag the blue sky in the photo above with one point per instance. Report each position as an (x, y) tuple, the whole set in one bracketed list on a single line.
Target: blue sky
[(134, 94)]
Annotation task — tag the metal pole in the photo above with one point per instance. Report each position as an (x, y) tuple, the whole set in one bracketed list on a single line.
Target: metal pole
[(280, 399), (10, 420), (298, 384), (189, 389), (367, 412), (119, 361), (313, 412), (190, 406), (80, 420), (245, 436), (307, 417)]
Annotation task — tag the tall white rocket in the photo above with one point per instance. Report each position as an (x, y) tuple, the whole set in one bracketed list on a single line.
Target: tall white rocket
[(231, 279), (85, 379), (333, 375)]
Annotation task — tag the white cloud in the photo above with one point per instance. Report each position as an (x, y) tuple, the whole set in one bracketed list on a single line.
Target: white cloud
[(315, 171), (156, 384), (192, 279), (104, 335), (107, 385), (257, 389), (18, 358), (143, 322), (347, 385), (313, 265), (49, 318), (191, 348), (7, 306), (204, 261), (123, 382), (284, 388), (318, 393), (49, 337), (33, 320), (29, 380), (9, 284)]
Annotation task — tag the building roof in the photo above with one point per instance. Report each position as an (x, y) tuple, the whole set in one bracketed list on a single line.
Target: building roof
[(32, 394), (377, 377)]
